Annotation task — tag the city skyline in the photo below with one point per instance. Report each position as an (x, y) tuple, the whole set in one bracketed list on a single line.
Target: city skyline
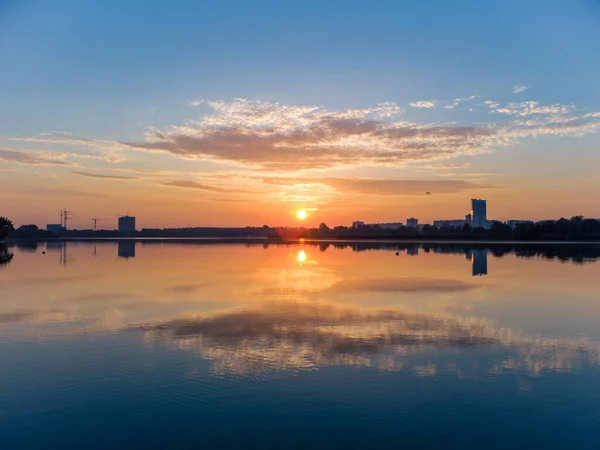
[(476, 218), (251, 120)]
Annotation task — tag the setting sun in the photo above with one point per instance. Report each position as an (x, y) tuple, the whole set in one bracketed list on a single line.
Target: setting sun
[(301, 214)]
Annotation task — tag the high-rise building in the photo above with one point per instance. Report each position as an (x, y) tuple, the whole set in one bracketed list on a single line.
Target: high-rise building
[(412, 223), (126, 224), (478, 213)]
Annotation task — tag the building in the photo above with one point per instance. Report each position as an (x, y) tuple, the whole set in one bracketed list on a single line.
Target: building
[(412, 223), (478, 213), (126, 224), (468, 218), (55, 227)]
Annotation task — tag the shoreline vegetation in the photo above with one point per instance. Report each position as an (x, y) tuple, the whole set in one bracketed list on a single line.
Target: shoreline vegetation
[(576, 229)]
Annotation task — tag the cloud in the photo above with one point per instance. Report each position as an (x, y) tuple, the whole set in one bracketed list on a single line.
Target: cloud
[(109, 153), (70, 139), (424, 104), (104, 297), (189, 184), (65, 192), (371, 186), (104, 177), (524, 109), (273, 136), (459, 100), (446, 166), (403, 285), (519, 88), (303, 336), (34, 158), (276, 137), (14, 317), (189, 288), (491, 104)]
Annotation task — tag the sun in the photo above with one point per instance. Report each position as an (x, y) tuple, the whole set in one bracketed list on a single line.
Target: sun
[(301, 214)]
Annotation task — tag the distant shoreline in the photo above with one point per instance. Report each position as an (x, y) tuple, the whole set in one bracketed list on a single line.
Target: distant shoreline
[(266, 240)]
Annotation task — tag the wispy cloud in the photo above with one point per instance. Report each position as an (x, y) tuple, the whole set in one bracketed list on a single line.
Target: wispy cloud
[(34, 158), (446, 166), (190, 184), (459, 100), (276, 137), (403, 285), (279, 137), (519, 88), (110, 149), (424, 104), (523, 109), (101, 176), (371, 186), (491, 104)]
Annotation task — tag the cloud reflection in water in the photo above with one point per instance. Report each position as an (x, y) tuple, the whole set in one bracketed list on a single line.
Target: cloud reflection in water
[(305, 336)]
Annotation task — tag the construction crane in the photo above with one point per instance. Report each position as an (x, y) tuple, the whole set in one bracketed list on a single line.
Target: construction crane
[(96, 220), (64, 216)]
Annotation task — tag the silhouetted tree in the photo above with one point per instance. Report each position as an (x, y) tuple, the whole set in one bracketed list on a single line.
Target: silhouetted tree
[(591, 226), (323, 228), (500, 230), (6, 226)]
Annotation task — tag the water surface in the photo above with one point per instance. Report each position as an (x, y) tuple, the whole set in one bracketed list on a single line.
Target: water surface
[(201, 345)]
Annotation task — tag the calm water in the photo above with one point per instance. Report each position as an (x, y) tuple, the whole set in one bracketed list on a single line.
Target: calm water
[(194, 345)]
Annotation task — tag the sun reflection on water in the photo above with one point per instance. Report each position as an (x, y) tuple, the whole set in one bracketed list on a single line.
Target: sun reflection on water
[(301, 256)]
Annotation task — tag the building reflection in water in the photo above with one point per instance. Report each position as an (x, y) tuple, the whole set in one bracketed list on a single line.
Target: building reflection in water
[(478, 259), (126, 249)]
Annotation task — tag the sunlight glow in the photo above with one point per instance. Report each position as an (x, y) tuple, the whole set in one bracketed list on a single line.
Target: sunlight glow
[(301, 214), (301, 256)]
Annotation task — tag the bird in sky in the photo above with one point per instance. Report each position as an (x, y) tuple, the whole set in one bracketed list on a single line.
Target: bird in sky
[(428, 193)]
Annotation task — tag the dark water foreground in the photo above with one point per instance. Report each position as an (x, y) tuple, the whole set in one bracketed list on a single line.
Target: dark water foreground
[(172, 345)]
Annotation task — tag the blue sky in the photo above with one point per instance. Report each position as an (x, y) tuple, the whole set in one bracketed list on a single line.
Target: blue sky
[(114, 71)]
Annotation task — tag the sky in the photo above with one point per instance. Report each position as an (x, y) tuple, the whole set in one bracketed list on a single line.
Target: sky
[(236, 113)]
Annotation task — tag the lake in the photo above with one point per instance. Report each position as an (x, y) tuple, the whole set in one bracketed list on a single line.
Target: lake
[(158, 344)]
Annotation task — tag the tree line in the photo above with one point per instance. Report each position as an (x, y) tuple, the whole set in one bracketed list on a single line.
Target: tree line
[(578, 228)]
